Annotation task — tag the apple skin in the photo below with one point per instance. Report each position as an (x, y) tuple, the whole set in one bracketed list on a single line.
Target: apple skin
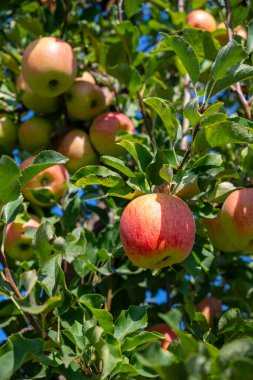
[(84, 100), (34, 134), (53, 179), (104, 129), (202, 20), (33, 101), (17, 245), (8, 133), (210, 307), (217, 235), (237, 218), (87, 77), (77, 147), (49, 66), (157, 230), (167, 331)]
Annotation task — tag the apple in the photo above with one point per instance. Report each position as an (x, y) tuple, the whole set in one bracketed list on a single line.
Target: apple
[(104, 129), (157, 230), (34, 134), (222, 36), (84, 100), (17, 245), (109, 95), (87, 77), (77, 147), (217, 235), (167, 331), (210, 307), (237, 218), (8, 133), (54, 179), (33, 101), (202, 20), (49, 66)]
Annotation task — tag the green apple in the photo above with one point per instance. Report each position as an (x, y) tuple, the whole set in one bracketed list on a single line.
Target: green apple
[(8, 133), (34, 134), (49, 66), (33, 101), (77, 147), (18, 245), (84, 100)]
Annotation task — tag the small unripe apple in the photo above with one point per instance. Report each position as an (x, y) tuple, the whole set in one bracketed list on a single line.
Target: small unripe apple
[(54, 179), (217, 235), (167, 331), (202, 20), (157, 230), (87, 77), (76, 146), (210, 307), (34, 134), (237, 218), (84, 100), (49, 66), (18, 245), (8, 133), (33, 101), (104, 129)]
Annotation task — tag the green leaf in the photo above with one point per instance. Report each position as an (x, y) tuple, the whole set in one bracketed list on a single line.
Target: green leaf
[(191, 111), (131, 7), (204, 44), (172, 318), (139, 153), (118, 164), (227, 132), (167, 113), (9, 184), (123, 192), (109, 352), (128, 76), (153, 169), (103, 317), (208, 160), (96, 175), (250, 37), (43, 242), (227, 56), (49, 305), (130, 320), (166, 173), (129, 35), (184, 51), (141, 337), (43, 160), (10, 210)]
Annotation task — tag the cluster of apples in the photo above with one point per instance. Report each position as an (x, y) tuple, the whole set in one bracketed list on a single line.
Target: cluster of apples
[(203, 20)]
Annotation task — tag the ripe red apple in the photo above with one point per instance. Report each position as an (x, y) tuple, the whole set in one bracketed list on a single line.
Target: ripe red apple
[(217, 235), (202, 20), (34, 134), (84, 100), (17, 245), (54, 179), (167, 331), (77, 147), (33, 101), (104, 129), (237, 218), (157, 230), (49, 66), (8, 133), (210, 307)]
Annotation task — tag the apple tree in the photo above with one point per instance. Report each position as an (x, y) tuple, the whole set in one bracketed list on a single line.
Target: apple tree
[(126, 189)]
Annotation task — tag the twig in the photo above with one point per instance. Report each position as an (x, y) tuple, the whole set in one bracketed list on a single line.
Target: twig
[(145, 118), (65, 19), (238, 88), (180, 5), (120, 11)]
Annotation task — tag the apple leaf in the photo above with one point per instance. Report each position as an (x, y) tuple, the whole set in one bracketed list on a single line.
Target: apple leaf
[(118, 164), (139, 152), (9, 183), (184, 51), (10, 210), (131, 7), (128, 76), (96, 175), (191, 111), (130, 320), (139, 338)]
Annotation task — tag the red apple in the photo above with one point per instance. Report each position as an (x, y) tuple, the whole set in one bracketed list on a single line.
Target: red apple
[(202, 20), (8, 133), (104, 129), (17, 245), (49, 66), (157, 230), (53, 179), (77, 147), (34, 134), (210, 307), (33, 101), (167, 331), (217, 235), (237, 218), (84, 100)]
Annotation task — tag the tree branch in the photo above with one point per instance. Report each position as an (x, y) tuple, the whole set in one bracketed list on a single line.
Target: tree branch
[(120, 11), (66, 8)]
